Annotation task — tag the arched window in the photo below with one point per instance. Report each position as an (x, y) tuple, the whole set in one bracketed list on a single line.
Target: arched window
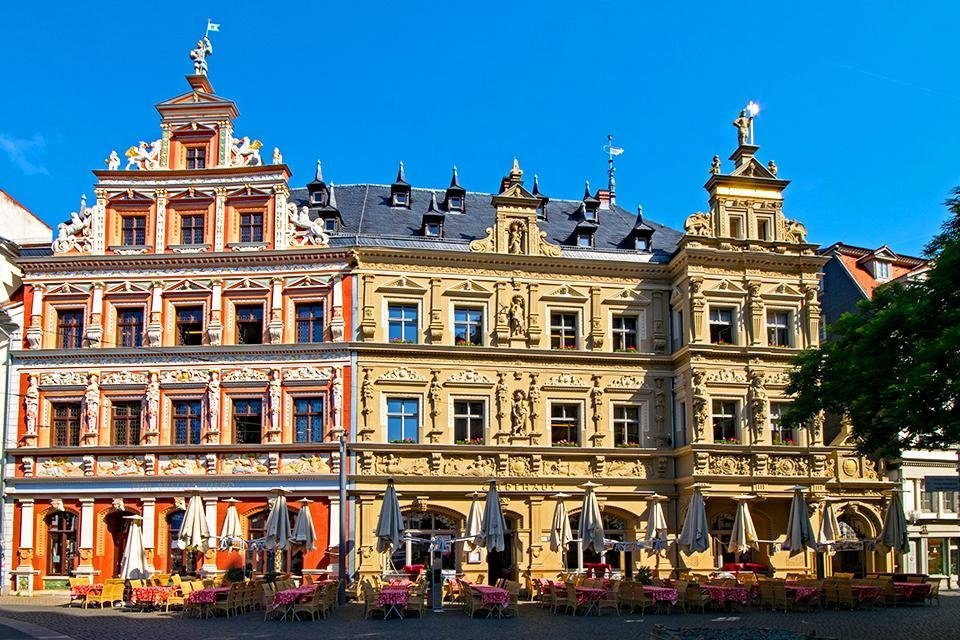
[(263, 560), (614, 528), (423, 526), (181, 561), (62, 549)]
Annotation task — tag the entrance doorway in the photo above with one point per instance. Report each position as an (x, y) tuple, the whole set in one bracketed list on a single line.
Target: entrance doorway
[(850, 556), (502, 564), (118, 526)]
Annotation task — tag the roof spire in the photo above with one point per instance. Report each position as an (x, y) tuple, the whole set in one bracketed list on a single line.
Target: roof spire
[(536, 185), (586, 189), (319, 176), (516, 173), (455, 179), (434, 207), (401, 173), (332, 203), (612, 152)]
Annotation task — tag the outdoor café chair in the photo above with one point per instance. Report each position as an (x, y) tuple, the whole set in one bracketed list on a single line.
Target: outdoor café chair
[(111, 594), (178, 598), (313, 606), (609, 599)]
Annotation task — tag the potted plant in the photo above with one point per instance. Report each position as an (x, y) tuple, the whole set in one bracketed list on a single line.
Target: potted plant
[(233, 574), (404, 441)]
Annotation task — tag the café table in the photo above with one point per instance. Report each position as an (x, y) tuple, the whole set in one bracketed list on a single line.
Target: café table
[(589, 597), (866, 592), (912, 591), (153, 595), (83, 590), (802, 593), (722, 595), (206, 597), (492, 598), (393, 599), (288, 597), (661, 594)]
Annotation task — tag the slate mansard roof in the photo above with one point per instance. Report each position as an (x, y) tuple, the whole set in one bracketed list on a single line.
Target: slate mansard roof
[(369, 220)]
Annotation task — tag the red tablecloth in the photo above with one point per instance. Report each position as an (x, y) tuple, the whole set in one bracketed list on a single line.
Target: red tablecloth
[(392, 596), (206, 596), (587, 595), (491, 595), (722, 595), (866, 592), (151, 595), (744, 566), (86, 589), (801, 593), (912, 590), (661, 594), (289, 596)]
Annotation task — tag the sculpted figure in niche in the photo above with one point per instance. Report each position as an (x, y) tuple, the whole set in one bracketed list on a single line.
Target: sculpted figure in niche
[(153, 403), (515, 237), (275, 400), (758, 401), (701, 402), (519, 413), (31, 402), (91, 403), (213, 403), (518, 316)]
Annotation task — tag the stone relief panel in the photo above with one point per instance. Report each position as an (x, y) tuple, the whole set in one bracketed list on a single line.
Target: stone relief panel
[(59, 468), (182, 465), (306, 464), (121, 466), (245, 463)]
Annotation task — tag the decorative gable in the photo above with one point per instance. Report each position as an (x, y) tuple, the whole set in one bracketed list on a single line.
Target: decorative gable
[(127, 287), (631, 297), (403, 284), (566, 293), (188, 286), (728, 287), (246, 284), (469, 289), (68, 289), (309, 282)]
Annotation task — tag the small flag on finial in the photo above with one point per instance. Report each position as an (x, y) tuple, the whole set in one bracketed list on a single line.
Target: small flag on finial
[(212, 26)]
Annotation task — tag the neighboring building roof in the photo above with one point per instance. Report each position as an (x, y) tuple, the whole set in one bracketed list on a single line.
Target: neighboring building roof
[(369, 220), (856, 262), (21, 225)]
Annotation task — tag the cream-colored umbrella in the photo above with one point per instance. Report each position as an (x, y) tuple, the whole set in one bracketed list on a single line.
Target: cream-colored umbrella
[(829, 525), (474, 527), (303, 532), (560, 532), (894, 532), (695, 535), (135, 564), (390, 523), (494, 530), (194, 533), (591, 521), (799, 529), (744, 535), (656, 535), (277, 535), (230, 531)]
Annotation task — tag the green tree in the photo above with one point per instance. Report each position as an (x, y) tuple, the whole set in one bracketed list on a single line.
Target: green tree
[(893, 365)]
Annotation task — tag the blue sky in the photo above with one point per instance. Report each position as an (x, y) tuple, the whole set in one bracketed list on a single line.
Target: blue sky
[(859, 99)]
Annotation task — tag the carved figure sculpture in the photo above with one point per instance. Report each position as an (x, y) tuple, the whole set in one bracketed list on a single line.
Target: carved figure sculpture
[(152, 399), (336, 397), (246, 153), (213, 403), (515, 236), (113, 161), (76, 232), (758, 401), (519, 413), (701, 403), (518, 316), (796, 232), (697, 224), (31, 402), (275, 400), (277, 156), (772, 167), (742, 123), (715, 167), (91, 403), (143, 157), (199, 56), (305, 231)]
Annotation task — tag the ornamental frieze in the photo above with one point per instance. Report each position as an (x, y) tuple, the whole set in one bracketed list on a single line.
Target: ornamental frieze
[(246, 374), (184, 376), (628, 383), (401, 374), (565, 381), (729, 465), (306, 464), (468, 377), (63, 379), (306, 374), (182, 466), (120, 466), (628, 469), (123, 378), (727, 376), (792, 466), (242, 464), (59, 468)]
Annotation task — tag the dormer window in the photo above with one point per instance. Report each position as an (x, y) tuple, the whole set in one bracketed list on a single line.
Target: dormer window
[(401, 199), (432, 229), (196, 157), (455, 203), (400, 190), (330, 225), (642, 244), (881, 270), (585, 240), (317, 198)]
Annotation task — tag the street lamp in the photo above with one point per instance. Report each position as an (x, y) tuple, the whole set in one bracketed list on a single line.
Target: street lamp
[(341, 434)]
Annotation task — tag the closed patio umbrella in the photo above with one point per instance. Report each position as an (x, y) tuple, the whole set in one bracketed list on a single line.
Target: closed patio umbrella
[(231, 532), (799, 529), (894, 533), (744, 535), (134, 564), (829, 526), (474, 524), (303, 532), (695, 535), (494, 528), (277, 535), (390, 523), (194, 533), (656, 534), (560, 533), (591, 522)]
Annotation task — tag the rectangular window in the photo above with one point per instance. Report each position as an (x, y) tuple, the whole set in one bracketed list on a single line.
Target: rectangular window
[(70, 328), (403, 419), (191, 229), (780, 434), (330, 225), (467, 327), (129, 327), (763, 229), (249, 324), (251, 227), (66, 424), (881, 270), (950, 501), (247, 421), (736, 227), (626, 426), (402, 320), (196, 158), (432, 229), (468, 422), (778, 328), (126, 423), (133, 231), (565, 424), (624, 333), (585, 240), (456, 203), (725, 421), (309, 322), (189, 326), (936, 556), (563, 330), (186, 421), (308, 419), (677, 328), (721, 325), (928, 501)]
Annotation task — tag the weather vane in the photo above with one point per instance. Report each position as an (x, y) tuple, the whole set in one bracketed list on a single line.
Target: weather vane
[(204, 49), (611, 151)]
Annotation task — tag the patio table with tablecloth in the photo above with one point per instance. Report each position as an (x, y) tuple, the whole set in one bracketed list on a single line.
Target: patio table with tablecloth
[(207, 595), (393, 599), (802, 593), (151, 595), (722, 595), (83, 590), (290, 596), (866, 592), (493, 598), (661, 594), (589, 597), (912, 591)]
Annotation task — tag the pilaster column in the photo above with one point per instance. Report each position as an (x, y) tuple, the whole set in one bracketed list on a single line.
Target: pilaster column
[(534, 330), (596, 320), (501, 303), (165, 131), (155, 323), (368, 323), (435, 329), (697, 308), (280, 235), (334, 528), (226, 143), (98, 224), (660, 317), (160, 240), (275, 326), (34, 332), (87, 524), (215, 321), (756, 313), (337, 325), (149, 529), (94, 333), (811, 308), (220, 207), (24, 573)]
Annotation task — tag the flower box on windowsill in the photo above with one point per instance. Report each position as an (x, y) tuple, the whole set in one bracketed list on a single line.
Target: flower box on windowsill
[(402, 341), (566, 443), (404, 441), (628, 445), (627, 350), (561, 348), (464, 343), (471, 441), (785, 442), (727, 441)]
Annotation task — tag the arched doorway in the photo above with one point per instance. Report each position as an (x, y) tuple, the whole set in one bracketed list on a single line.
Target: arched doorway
[(181, 561), (503, 564), (118, 526), (614, 528), (422, 526), (851, 556), (263, 561), (61, 543)]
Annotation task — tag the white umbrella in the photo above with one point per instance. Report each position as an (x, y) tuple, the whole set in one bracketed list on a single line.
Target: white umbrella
[(695, 535), (493, 531), (474, 526), (744, 535), (560, 533), (829, 526), (894, 533), (656, 523), (194, 533), (231, 531), (278, 525), (390, 523), (591, 522), (303, 532), (134, 564), (799, 529)]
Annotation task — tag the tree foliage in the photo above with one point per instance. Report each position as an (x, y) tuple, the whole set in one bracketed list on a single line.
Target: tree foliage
[(893, 365)]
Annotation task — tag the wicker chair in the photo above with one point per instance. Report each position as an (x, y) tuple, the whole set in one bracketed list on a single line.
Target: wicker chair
[(231, 605), (766, 595), (565, 598), (696, 597), (111, 594), (179, 597), (513, 605), (845, 597), (313, 606), (370, 605), (681, 588), (415, 601), (934, 593), (780, 599), (77, 582), (610, 599)]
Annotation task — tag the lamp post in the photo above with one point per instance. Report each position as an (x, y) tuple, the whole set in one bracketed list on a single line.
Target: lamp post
[(341, 435)]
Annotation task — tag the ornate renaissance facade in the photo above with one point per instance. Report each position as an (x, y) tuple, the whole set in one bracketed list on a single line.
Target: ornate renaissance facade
[(202, 328)]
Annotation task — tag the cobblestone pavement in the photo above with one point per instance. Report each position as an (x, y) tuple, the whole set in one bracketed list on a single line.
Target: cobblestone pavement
[(913, 622)]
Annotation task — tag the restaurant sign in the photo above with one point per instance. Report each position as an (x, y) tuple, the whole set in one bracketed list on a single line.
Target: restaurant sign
[(941, 483)]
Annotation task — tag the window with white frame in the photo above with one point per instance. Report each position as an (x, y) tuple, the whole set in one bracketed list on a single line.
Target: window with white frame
[(881, 270), (626, 426), (779, 433), (778, 328), (725, 421), (565, 424), (563, 330), (467, 326), (403, 420), (721, 325), (625, 333), (468, 421), (402, 322)]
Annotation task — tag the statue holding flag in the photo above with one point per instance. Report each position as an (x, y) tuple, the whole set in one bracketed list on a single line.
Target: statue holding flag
[(204, 49)]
